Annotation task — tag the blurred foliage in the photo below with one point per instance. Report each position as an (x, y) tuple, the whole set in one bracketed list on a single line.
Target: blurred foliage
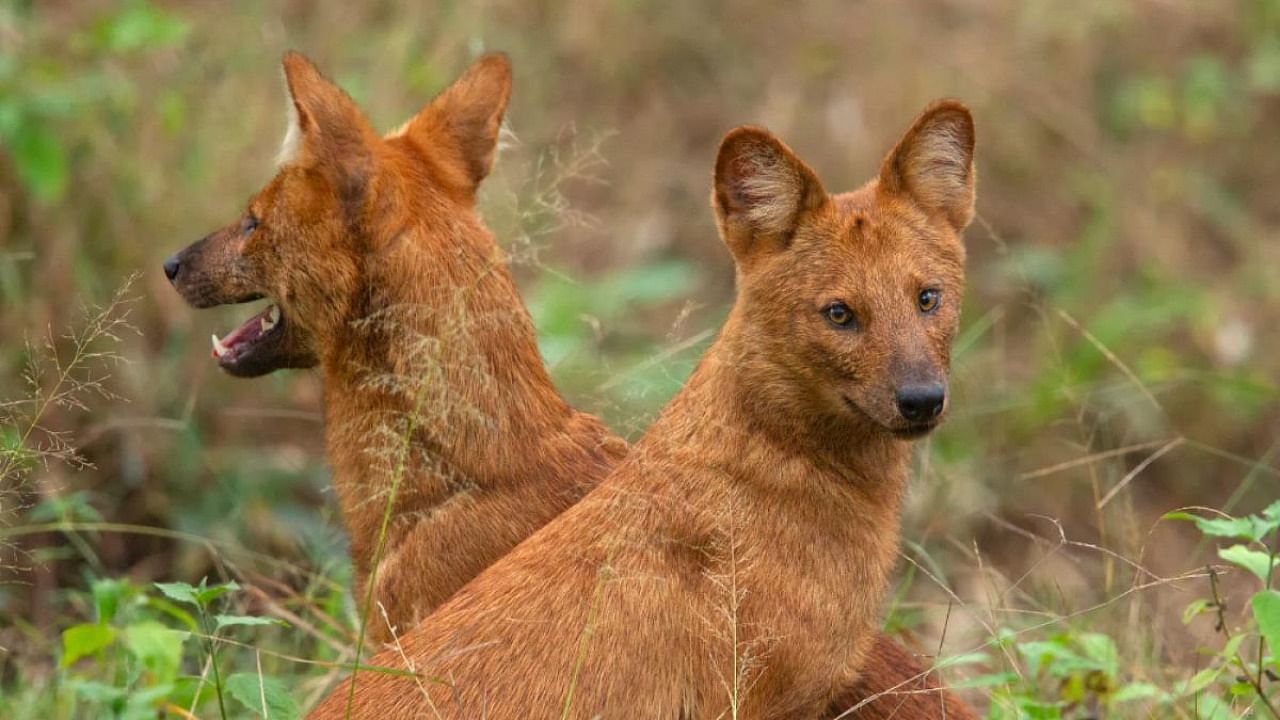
[(1116, 362)]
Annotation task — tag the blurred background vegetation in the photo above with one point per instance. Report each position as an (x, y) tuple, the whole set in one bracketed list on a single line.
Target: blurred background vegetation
[(1118, 359)]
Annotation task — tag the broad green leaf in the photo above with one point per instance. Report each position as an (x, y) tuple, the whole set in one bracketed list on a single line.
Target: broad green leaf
[(1101, 649), (222, 621), (1193, 610), (1266, 611), (174, 611), (40, 159), (969, 658), (1231, 646), (145, 702), (1256, 562), (1199, 681), (107, 596), (1241, 689), (140, 26), (157, 647), (86, 639), (1055, 657), (95, 691), (200, 596), (1251, 527), (180, 591), (252, 690), (1136, 691), (986, 681), (208, 594), (1210, 707)]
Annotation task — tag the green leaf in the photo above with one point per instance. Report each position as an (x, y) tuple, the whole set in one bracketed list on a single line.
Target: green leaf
[(1136, 691), (173, 611), (107, 596), (1199, 681), (1266, 611), (180, 591), (1256, 562), (86, 639), (969, 658), (144, 703), (986, 681), (222, 621), (1056, 657), (1211, 707), (39, 159), (1193, 610), (1236, 528), (1231, 646), (252, 690), (157, 647), (208, 594), (1252, 527), (1101, 649), (97, 692), (140, 26), (199, 596)]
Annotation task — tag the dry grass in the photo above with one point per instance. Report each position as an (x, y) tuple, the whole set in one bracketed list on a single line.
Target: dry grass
[(1115, 364)]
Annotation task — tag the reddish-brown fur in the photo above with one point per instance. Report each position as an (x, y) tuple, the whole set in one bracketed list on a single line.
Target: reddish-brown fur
[(357, 227), (735, 561), (886, 690), (432, 376)]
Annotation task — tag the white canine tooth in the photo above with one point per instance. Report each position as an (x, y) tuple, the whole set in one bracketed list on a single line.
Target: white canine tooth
[(268, 322), (218, 348)]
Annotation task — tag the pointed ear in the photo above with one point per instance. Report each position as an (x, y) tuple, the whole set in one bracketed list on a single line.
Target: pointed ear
[(466, 117), (761, 191), (933, 163), (326, 129)]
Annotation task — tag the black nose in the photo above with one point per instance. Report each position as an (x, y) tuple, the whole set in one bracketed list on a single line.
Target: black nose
[(171, 267), (919, 403)]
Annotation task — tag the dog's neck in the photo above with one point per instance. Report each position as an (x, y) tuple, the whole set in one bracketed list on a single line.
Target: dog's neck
[(434, 386)]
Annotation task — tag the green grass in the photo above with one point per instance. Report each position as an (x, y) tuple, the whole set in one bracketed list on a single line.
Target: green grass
[(1116, 363)]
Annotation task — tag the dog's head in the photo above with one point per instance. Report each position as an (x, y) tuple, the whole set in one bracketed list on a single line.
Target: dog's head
[(852, 299), (341, 194)]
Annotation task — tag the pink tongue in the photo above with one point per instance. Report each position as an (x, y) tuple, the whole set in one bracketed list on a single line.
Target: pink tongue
[(250, 330)]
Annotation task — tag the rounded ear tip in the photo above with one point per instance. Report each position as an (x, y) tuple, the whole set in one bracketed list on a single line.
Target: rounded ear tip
[(494, 61), (744, 133), (950, 109), (295, 62), (741, 138)]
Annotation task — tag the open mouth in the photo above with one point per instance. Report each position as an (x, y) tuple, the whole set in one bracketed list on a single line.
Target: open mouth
[(243, 349)]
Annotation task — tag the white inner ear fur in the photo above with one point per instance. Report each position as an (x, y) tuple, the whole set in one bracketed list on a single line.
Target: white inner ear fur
[(937, 167), (772, 189), (292, 138)]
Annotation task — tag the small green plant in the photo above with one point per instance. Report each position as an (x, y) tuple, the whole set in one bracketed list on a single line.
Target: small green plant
[(125, 662), (1075, 674), (128, 662), (1242, 670)]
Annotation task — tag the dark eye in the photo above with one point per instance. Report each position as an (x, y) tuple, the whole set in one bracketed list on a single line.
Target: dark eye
[(929, 299), (839, 314), (249, 224)]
